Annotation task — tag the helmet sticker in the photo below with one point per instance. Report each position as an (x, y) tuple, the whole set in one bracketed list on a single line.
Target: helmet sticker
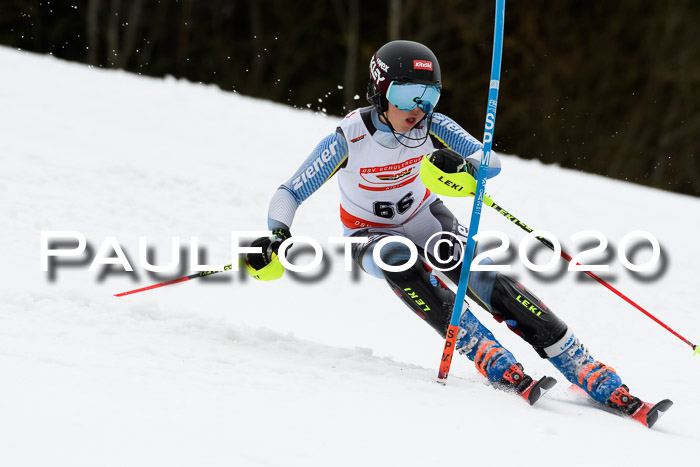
[(382, 65), (377, 69), (422, 65)]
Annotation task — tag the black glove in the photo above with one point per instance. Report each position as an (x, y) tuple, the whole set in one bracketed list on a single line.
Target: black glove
[(269, 246), (450, 161)]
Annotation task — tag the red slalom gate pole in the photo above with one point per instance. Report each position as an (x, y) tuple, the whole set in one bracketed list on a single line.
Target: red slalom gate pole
[(514, 220)]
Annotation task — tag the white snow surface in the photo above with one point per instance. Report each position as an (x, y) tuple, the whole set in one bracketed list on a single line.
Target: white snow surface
[(223, 371)]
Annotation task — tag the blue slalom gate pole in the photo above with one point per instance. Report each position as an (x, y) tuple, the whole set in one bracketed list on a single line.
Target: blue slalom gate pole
[(453, 329)]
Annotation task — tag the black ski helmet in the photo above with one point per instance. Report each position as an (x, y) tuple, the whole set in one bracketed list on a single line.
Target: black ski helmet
[(402, 61)]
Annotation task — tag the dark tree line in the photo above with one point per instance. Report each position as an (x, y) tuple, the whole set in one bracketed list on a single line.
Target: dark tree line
[(606, 87)]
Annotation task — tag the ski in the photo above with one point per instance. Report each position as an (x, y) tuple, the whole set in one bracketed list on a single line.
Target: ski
[(537, 389), (633, 407), (648, 414)]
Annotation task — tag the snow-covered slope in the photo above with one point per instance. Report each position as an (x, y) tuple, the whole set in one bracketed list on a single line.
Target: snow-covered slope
[(334, 372)]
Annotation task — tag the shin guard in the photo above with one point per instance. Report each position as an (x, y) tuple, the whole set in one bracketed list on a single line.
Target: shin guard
[(432, 300), (425, 294), (525, 314)]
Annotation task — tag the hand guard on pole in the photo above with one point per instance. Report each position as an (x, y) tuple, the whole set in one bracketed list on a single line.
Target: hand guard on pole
[(447, 173), (450, 161)]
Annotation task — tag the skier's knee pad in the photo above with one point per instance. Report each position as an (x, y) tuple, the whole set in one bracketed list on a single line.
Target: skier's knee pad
[(424, 293), (525, 314), (481, 283), (393, 253)]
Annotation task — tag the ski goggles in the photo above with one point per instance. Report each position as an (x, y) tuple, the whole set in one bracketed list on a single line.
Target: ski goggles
[(408, 96)]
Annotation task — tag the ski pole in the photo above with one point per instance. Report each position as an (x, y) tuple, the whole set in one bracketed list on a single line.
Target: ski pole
[(453, 329), (489, 202), (174, 281)]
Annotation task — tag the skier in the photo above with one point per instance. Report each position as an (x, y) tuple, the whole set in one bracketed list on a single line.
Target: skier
[(376, 153)]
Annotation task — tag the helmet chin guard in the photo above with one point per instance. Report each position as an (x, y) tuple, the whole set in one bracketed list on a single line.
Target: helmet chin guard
[(376, 98)]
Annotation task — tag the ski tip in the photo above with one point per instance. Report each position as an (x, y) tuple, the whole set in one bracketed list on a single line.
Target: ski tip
[(547, 382), (539, 389), (696, 350), (657, 411)]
